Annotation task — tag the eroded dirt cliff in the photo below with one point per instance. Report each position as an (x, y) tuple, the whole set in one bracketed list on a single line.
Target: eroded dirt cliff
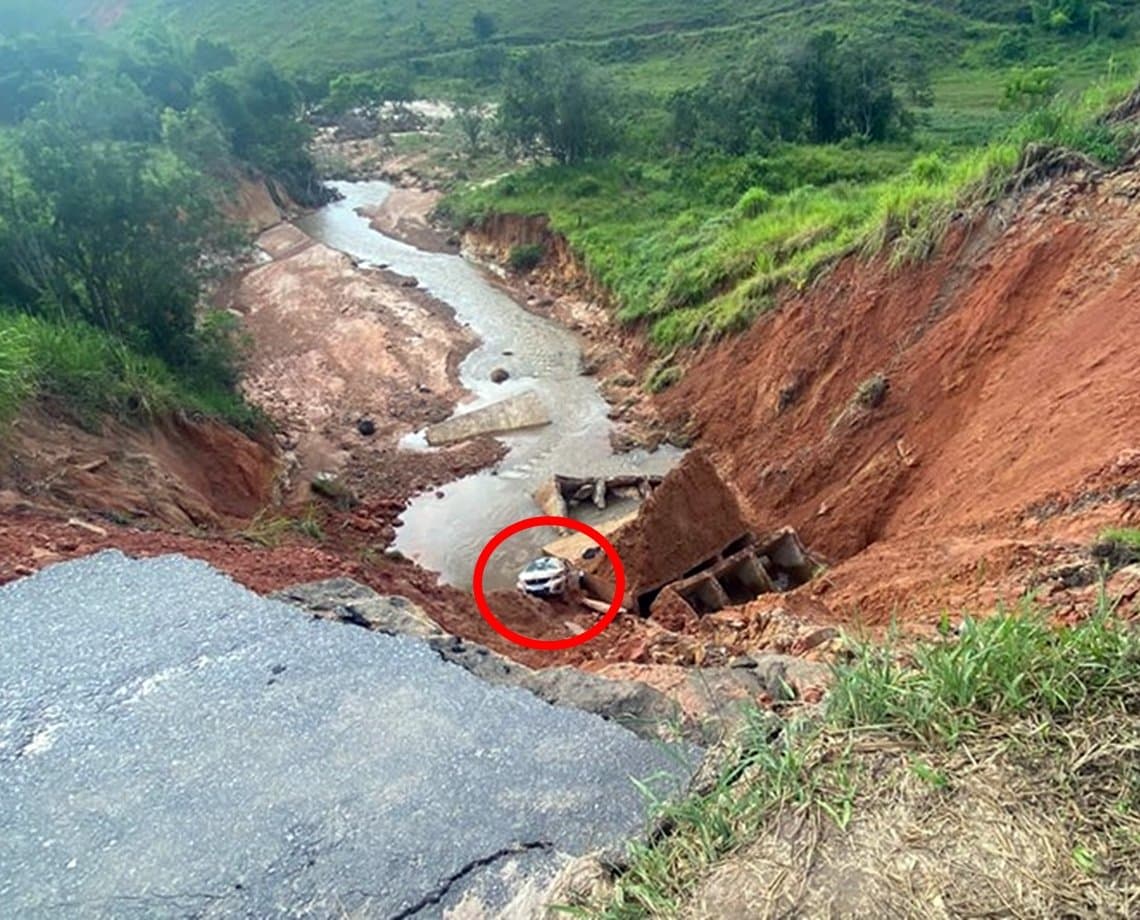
[(952, 433)]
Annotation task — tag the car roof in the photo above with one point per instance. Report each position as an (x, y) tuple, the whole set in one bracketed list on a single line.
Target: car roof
[(544, 564)]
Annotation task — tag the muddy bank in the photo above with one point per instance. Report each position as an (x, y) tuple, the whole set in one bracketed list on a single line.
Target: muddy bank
[(179, 471), (405, 215)]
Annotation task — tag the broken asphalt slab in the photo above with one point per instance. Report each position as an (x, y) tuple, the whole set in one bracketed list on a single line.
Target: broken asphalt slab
[(515, 414), (171, 743), (631, 704)]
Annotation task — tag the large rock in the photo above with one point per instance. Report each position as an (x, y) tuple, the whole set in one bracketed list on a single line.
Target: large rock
[(173, 745), (515, 414)]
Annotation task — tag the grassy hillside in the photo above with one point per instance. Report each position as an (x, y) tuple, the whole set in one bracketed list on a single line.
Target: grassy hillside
[(661, 44), (698, 247), (357, 34)]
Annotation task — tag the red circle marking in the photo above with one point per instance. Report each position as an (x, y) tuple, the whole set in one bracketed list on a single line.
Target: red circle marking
[(554, 645)]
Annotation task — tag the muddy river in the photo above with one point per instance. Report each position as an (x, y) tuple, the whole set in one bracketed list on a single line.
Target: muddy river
[(447, 534)]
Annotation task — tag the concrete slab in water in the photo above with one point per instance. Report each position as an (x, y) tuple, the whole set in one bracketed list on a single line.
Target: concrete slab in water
[(171, 744), (523, 411)]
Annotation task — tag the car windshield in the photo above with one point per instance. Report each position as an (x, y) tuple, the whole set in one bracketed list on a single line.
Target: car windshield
[(545, 564)]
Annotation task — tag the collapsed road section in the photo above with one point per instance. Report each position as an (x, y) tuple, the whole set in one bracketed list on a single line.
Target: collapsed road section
[(171, 743), (688, 550)]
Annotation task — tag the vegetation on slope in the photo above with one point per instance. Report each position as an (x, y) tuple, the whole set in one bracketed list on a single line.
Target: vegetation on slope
[(696, 245), (1046, 716), (116, 156)]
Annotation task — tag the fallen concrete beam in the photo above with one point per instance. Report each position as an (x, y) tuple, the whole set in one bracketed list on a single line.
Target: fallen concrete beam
[(573, 546), (549, 499), (515, 414)]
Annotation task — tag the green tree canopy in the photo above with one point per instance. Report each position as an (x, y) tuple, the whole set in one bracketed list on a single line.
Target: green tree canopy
[(554, 106), (821, 91)]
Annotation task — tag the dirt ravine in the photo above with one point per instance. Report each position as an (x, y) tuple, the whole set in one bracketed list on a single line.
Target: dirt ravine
[(335, 344)]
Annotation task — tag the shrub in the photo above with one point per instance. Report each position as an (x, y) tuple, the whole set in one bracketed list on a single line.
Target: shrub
[(929, 168), (753, 203), (525, 258)]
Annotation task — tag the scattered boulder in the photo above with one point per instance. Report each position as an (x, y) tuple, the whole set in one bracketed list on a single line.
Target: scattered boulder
[(330, 486), (366, 427), (873, 391), (591, 365), (500, 375), (410, 283)]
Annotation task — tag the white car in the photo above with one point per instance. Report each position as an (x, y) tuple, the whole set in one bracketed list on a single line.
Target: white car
[(545, 577)]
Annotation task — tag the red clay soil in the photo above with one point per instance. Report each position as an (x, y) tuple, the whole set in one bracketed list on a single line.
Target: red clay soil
[(1009, 431), (178, 472)]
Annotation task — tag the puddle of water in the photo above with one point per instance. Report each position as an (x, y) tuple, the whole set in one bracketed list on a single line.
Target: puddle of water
[(447, 534)]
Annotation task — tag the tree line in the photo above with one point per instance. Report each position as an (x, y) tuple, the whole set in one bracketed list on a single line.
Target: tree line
[(822, 90)]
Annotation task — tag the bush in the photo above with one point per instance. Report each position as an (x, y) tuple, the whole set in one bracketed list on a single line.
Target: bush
[(525, 258), (929, 168), (88, 372), (753, 203)]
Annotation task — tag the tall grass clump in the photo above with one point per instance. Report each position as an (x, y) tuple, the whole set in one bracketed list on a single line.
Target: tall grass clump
[(87, 373), (15, 369), (997, 669)]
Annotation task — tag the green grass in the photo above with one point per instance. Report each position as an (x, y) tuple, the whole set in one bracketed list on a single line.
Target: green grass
[(358, 34), (1124, 536), (89, 374), (651, 45), (1007, 687)]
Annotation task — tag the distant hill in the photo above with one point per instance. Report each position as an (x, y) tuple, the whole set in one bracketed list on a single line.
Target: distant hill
[(668, 42)]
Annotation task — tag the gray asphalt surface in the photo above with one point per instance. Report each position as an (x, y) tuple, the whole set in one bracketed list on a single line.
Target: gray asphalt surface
[(173, 745)]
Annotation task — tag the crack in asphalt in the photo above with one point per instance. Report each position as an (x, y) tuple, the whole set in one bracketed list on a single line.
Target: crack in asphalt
[(440, 892)]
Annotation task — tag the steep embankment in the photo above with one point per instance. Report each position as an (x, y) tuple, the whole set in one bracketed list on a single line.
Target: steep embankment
[(953, 432)]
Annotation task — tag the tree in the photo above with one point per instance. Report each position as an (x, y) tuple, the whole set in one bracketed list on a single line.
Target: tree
[(256, 109), (471, 117), (108, 233), (486, 63), (1071, 15), (557, 107), (369, 88), (820, 91), (484, 26)]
